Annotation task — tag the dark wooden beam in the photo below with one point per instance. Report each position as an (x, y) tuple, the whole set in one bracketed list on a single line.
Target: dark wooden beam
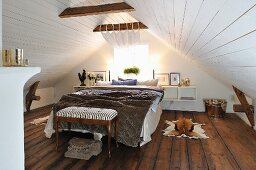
[(239, 108), (31, 95), (121, 26), (95, 10), (246, 107)]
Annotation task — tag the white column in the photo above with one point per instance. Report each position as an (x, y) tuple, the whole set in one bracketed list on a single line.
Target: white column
[(1, 32), (12, 80), (254, 106)]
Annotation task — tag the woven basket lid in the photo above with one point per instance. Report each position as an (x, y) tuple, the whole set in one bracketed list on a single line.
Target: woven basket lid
[(82, 143)]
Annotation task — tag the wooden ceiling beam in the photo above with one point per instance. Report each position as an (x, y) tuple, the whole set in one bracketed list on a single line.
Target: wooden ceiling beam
[(121, 26), (239, 108), (245, 105), (95, 10)]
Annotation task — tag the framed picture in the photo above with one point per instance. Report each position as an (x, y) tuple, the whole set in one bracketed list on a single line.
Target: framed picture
[(174, 79), (99, 75), (163, 78)]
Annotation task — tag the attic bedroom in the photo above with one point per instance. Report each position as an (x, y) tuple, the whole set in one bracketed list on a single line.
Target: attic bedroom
[(128, 84)]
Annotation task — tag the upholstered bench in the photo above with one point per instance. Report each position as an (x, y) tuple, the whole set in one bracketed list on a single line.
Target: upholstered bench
[(88, 115)]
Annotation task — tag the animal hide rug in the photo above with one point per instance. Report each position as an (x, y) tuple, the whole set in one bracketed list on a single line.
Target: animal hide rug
[(185, 128)]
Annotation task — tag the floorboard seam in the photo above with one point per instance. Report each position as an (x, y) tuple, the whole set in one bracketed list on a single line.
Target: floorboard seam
[(161, 139), (225, 143), (172, 144), (170, 154), (158, 151), (201, 142), (158, 147), (189, 166)]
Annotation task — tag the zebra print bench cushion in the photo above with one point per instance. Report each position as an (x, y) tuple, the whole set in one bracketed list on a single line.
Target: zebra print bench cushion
[(87, 113)]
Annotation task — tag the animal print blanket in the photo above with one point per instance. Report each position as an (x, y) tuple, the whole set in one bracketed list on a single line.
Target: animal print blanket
[(132, 105)]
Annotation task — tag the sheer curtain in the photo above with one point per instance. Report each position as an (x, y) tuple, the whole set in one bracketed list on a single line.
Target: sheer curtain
[(128, 52), (122, 38), (134, 55)]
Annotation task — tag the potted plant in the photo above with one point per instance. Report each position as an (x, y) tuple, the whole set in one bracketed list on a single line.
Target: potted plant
[(131, 72)]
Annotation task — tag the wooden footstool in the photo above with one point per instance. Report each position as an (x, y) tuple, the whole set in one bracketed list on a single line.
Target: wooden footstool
[(88, 115)]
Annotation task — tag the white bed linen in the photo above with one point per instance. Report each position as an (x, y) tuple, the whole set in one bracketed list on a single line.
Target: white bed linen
[(149, 125)]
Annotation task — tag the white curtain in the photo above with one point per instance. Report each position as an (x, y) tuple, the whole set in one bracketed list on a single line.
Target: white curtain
[(120, 39)]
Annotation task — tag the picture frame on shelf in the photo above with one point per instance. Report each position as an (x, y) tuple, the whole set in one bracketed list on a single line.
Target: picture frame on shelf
[(99, 75), (174, 79), (163, 78)]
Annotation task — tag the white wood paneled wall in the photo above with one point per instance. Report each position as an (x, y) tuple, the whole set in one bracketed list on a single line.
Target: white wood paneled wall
[(55, 44), (220, 34)]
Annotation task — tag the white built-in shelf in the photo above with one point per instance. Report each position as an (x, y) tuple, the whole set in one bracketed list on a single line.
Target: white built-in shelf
[(77, 88), (175, 93)]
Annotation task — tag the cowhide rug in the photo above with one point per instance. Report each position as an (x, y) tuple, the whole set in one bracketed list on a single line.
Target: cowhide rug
[(40, 121), (185, 128)]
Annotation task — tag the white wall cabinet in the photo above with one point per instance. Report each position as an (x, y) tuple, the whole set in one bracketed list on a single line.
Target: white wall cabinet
[(175, 93)]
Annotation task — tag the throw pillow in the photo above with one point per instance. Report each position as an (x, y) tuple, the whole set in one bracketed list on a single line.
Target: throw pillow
[(103, 83), (152, 82), (125, 82)]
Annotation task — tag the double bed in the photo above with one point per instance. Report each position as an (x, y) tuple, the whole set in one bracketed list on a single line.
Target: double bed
[(139, 110)]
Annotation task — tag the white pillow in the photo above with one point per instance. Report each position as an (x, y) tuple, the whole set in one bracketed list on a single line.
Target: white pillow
[(103, 83), (152, 82)]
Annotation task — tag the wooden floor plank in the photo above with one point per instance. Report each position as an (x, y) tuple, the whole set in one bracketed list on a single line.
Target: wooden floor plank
[(149, 157), (231, 146), (165, 149), (219, 158), (36, 113), (239, 140), (78, 165), (97, 162), (42, 157), (37, 148), (179, 156), (34, 131), (34, 142), (62, 163), (118, 159), (196, 154), (133, 157)]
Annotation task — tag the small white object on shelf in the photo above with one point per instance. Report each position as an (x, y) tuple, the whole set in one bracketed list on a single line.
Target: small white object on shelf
[(176, 93)]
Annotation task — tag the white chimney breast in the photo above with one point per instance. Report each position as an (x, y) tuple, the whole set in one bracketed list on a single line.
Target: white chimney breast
[(12, 81)]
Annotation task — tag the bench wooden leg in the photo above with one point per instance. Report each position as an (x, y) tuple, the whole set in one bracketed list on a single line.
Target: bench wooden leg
[(116, 129), (57, 133), (109, 127), (69, 127)]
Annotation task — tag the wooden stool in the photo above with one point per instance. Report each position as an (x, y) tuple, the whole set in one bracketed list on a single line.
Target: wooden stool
[(88, 115)]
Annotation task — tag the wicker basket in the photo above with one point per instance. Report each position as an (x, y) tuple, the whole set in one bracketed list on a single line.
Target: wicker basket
[(215, 108), (83, 148)]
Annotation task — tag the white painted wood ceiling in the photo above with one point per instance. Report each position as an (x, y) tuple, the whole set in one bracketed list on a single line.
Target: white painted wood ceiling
[(219, 34)]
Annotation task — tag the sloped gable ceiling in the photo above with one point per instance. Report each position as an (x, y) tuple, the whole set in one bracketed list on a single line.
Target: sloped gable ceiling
[(55, 44), (219, 34)]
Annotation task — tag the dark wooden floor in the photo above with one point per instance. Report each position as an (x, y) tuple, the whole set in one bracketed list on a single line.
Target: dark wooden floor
[(232, 145)]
